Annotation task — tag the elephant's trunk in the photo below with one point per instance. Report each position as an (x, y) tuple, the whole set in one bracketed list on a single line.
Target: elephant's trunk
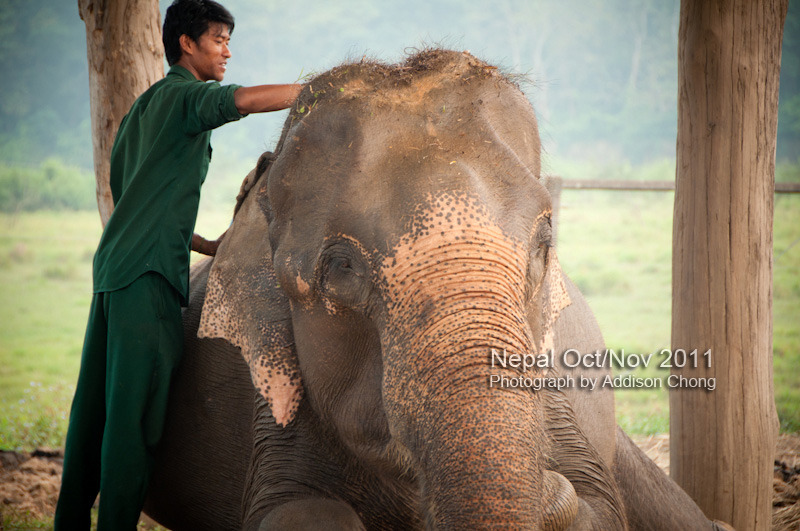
[(479, 465), (478, 449)]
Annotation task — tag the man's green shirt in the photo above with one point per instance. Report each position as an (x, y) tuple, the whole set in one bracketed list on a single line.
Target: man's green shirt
[(158, 163)]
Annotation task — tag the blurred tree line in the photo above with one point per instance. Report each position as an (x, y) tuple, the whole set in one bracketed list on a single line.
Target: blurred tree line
[(44, 108), (789, 101), (600, 73)]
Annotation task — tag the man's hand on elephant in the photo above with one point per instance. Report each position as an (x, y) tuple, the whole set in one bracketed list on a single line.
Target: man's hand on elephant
[(206, 247)]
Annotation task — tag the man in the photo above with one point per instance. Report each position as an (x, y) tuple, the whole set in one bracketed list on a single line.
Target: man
[(141, 269)]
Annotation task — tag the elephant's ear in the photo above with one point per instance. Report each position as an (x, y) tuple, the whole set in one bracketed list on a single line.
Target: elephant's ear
[(554, 298), (245, 305)]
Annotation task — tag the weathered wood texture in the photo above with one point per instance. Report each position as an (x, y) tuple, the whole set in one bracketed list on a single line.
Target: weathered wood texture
[(722, 442), (123, 43)]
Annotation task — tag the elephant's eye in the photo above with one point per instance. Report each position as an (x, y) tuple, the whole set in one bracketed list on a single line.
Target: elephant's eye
[(541, 241), (340, 263), (343, 276), (543, 237)]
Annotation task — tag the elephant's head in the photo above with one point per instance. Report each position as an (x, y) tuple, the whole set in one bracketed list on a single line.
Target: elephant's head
[(399, 235)]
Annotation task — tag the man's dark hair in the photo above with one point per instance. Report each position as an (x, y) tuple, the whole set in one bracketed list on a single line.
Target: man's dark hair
[(190, 17)]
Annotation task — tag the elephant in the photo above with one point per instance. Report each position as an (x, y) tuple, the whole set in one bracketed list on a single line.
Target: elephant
[(388, 263)]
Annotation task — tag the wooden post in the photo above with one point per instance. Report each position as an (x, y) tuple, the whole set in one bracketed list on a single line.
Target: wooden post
[(126, 56), (723, 441)]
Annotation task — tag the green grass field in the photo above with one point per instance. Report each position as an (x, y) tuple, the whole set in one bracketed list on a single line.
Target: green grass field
[(614, 245), (46, 279)]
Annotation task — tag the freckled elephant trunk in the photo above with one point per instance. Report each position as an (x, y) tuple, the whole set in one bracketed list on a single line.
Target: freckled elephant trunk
[(478, 449), (480, 472)]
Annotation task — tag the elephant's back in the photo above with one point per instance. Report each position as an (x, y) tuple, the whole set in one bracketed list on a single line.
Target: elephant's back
[(202, 460)]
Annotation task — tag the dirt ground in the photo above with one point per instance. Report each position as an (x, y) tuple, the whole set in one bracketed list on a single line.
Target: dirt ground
[(785, 481), (29, 482)]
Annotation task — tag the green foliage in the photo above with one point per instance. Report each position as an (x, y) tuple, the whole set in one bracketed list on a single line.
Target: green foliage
[(52, 185), (617, 248), (790, 115), (42, 317), (38, 419), (16, 520), (786, 309), (789, 98), (604, 83), (655, 170), (44, 111), (786, 171)]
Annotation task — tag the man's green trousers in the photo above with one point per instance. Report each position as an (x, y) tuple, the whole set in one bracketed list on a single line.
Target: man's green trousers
[(134, 341)]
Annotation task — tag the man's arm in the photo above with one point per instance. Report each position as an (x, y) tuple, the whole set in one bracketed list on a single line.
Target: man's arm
[(265, 98), (206, 247)]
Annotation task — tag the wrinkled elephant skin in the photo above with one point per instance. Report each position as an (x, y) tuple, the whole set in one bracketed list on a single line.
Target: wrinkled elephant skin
[(397, 238)]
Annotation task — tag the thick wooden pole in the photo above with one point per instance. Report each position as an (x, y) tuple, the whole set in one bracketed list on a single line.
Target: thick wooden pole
[(723, 441), (126, 56)]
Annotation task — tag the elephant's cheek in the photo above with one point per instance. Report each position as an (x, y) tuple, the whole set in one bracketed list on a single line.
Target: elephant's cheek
[(339, 356)]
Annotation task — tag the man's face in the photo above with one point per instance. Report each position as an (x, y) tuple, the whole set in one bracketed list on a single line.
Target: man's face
[(209, 56)]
